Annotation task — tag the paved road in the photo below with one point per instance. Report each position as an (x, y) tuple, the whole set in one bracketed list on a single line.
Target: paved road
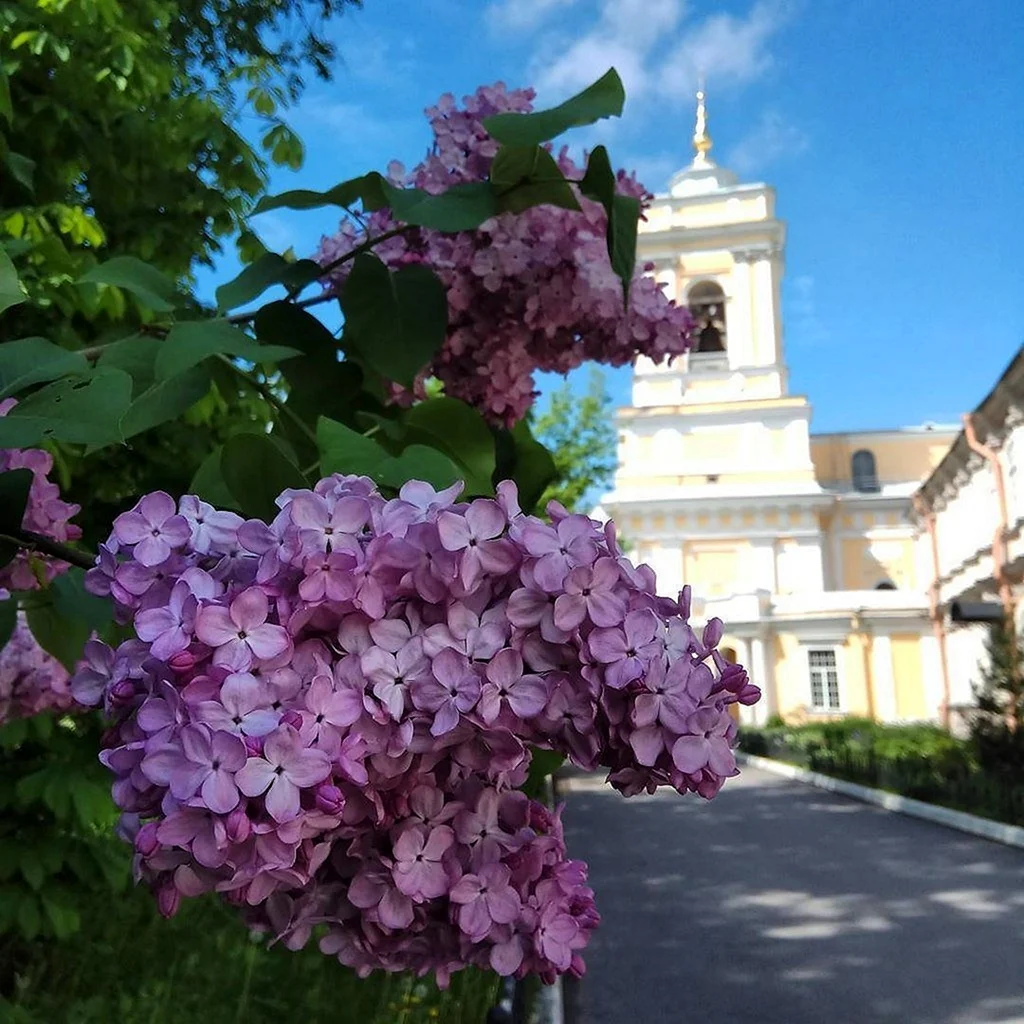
[(781, 904)]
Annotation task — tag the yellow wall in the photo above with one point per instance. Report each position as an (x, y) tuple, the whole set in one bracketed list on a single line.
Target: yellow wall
[(792, 683), (910, 457), (866, 563), (714, 568), (908, 676)]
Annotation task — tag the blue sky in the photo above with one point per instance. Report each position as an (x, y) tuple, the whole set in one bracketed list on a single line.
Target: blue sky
[(891, 130)]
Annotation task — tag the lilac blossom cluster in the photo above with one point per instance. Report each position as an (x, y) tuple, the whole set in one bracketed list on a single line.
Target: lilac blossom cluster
[(328, 719), (31, 681), (45, 514), (526, 292)]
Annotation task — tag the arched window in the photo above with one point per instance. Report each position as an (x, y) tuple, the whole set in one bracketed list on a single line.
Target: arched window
[(707, 307), (885, 585), (865, 477)]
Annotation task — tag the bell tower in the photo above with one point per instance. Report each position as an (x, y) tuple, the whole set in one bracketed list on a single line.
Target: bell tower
[(717, 247)]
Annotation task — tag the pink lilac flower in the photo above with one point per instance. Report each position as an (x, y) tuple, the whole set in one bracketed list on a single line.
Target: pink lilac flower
[(526, 292), (32, 681), (154, 528), (350, 757), (286, 767), (45, 515)]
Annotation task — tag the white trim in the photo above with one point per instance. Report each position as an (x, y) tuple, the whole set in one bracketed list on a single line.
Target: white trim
[(883, 679), (997, 831)]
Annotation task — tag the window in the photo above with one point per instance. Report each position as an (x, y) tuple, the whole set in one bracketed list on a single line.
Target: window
[(707, 307), (865, 477), (824, 674), (885, 585)]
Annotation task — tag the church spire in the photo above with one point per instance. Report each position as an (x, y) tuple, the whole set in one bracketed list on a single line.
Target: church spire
[(702, 142)]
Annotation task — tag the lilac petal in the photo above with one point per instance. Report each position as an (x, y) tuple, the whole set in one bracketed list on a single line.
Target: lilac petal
[(606, 645), (282, 799), (260, 723), (721, 759), (505, 667), (485, 518), (606, 609), (268, 641), (503, 905), (219, 792), (152, 551), (151, 623), (250, 609), (229, 750), (528, 697), (507, 957), (215, 627), (690, 754), (647, 744), (255, 776), (570, 611), (453, 531), (474, 919), (446, 719), (395, 910), (195, 741), (308, 767), (131, 528)]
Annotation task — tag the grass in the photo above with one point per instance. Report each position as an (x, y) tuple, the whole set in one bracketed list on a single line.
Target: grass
[(131, 966)]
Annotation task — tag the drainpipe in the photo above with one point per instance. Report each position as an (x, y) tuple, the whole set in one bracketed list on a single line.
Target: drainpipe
[(999, 540), (999, 550), (859, 626), (928, 516)]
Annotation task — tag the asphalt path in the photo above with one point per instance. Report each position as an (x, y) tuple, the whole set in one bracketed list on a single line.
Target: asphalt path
[(777, 903)]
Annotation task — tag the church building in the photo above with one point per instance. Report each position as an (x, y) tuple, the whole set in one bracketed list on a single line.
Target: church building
[(801, 543)]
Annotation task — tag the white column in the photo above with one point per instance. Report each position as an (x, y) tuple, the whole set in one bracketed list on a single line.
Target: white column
[(757, 669), (739, 322), (765, 346), (931, 670), (882, 678)]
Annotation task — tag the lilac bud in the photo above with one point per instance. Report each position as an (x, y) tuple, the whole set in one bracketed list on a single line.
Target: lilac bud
[(146, 841), (238, 826), (330, 799), (293, 718), (182, 663), (168, 899), (685, 596), (253, 746), (121, 693), (712, 633)]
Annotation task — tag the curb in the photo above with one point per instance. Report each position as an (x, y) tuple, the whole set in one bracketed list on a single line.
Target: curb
[(996, 831)]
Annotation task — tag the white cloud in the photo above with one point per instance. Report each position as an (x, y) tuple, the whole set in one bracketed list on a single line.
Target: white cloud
[(772, 137), (659, 51), (804, 325), (522, 15)]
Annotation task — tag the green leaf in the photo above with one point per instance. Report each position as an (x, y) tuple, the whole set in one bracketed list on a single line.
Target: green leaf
[(366, 189), (525, 176), (459, 208), (29, 920), (459, 430), (343, 450), (256, 471), (208, 483), (8, 619), (268, 270), (92, 802), (165, 401), (60, 636), (136, 355), (28, 361), (604, 98), (83, 411), (543, 764), (74, 602), (22, 170), (623, 215), (14, 487), (146, 283), (11, 291), (6, 109), (417, 462), (533, 466), (64, 919), (318, 382), (193, 341), (394, 322), (32, 870)]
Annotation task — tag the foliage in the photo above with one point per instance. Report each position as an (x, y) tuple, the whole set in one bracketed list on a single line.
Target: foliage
[(997, 724), (919, 761), (579, 431), (128, 964)]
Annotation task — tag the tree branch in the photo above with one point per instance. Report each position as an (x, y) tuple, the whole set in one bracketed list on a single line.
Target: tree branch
[(267, 394), (34, 542)]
